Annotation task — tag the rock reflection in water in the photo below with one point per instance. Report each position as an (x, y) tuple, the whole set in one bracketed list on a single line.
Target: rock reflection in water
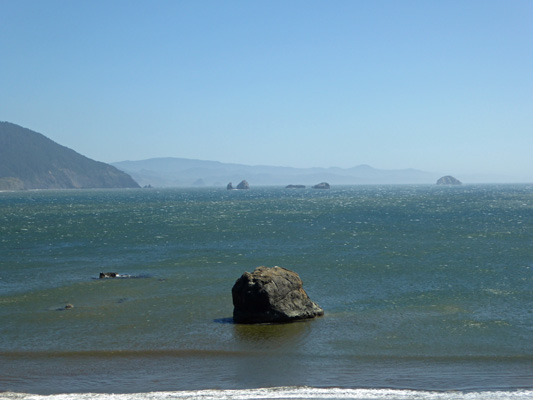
[(273, 354), (272, 336)]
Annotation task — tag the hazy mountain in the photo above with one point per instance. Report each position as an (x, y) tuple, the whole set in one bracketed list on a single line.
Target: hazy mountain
[(29, 160), (171, 172)]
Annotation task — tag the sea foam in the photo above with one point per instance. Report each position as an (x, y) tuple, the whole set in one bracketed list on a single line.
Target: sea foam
[(285, 393)]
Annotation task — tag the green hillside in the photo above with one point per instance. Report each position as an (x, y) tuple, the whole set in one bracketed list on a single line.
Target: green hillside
[(29, 160)]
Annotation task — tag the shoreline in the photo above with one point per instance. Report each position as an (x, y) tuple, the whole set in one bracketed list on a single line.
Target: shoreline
[(190, 371), (282, 393)]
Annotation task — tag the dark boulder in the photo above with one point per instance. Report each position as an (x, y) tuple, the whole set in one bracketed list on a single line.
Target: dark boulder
[(243, 185), (104, 275), (323, 185), (448, 180), (271, 295), (230, 186)]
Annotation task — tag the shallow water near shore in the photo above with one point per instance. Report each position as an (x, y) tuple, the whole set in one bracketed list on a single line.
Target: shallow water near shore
[(427, 292)]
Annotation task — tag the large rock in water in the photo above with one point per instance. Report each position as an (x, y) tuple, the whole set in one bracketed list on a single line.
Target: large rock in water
[(448, 180), (271, 295)]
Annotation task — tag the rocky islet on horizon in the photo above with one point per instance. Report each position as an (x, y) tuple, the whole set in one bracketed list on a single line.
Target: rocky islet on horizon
[(295, 187), (243, 185), (448, 180), (323, 185), (183, 172)]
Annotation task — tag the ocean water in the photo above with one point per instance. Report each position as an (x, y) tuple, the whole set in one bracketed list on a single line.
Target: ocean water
[(427, 292)]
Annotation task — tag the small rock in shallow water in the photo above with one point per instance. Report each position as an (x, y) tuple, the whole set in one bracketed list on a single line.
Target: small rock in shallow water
[(108, 275), (69, 306)]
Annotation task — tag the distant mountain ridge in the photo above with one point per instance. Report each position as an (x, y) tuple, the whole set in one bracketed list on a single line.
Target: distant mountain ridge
[(29, 160), (176, 172)]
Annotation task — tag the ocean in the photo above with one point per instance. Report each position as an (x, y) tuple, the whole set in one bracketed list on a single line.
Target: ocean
[(427, 292)]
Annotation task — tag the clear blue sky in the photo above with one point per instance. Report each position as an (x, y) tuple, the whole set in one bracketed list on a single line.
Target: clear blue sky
[(442, 86)]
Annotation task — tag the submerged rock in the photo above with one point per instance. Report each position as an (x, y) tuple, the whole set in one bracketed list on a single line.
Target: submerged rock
[(68, 306), (271, 295), (448, 180)]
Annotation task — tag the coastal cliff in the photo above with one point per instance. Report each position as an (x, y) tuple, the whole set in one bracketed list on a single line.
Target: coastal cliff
[(29, 160)]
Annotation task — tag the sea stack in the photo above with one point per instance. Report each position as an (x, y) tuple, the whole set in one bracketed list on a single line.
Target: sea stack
[(448, 180), (271, 295), (323, 185), (243, 185)]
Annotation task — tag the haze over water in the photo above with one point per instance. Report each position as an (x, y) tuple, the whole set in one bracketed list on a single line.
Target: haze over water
[(443, 87), (425, 289)]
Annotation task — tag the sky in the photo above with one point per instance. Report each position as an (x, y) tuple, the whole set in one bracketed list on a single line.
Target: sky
[(441, 86)]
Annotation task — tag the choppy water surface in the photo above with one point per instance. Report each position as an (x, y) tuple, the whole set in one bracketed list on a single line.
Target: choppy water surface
[(426, 290)]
